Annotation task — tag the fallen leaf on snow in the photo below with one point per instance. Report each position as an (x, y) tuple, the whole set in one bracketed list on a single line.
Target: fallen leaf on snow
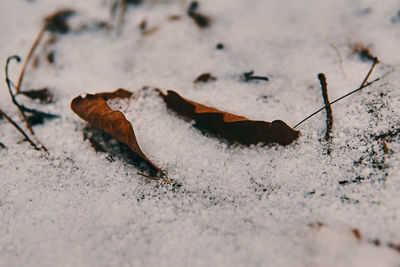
[(94, 109), (232, 127)]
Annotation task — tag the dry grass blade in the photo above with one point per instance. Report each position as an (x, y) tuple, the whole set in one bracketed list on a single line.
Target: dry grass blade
[(28, 58), (55, 22)]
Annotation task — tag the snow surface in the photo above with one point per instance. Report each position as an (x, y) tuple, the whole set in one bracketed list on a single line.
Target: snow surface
[(235, 206)]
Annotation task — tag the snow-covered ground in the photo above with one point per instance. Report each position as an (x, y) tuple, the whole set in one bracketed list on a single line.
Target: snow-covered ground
[(231, 205)]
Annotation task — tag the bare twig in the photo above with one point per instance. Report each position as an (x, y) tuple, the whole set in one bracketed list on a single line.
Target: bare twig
[(13, 96), (20, 107), (363, 85), (249, 76), (28, 58), (329, 117), (370, 71), (19, 129)]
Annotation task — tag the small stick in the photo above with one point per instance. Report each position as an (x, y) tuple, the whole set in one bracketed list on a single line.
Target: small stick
[(249, 76), (370, 71), (19, 129), (364, 84), (329, 117), (28, 58)]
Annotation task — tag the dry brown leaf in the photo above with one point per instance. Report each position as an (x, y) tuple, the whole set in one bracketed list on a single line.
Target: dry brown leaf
[(43, 94), (57, 22), (95, 110), (120, 93), (201, 20), (205, 77), (232, 127)]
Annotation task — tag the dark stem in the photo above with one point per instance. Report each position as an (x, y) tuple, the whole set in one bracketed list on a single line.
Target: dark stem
[(329, 117), (20, 107), (364, 84), (249, 76), (21, 110), (28, 58), (19, 129)]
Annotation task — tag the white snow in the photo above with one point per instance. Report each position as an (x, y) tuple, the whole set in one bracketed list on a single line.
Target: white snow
[(236, 206)]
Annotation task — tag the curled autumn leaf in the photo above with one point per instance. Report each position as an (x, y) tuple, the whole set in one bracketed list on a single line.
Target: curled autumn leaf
[(232, 127), (94, 109)]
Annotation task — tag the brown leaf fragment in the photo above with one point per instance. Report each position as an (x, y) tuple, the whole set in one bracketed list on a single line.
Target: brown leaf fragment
[(385, 146), (356, 234), (174, 17), (150, 31), (201, 20), (120, 93), (205, 77), (43, 94), (94, 109), (232, 127), (394, 246), (316, 225), (363, 52), (50, 57), (143, 25), (57, 22)]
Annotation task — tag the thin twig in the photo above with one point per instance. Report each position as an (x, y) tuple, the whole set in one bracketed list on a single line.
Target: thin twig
[(20, 107), (329, 117), (364, 84), (13, 96), (28, 58), (19, 129), (370, 71), (340, 59), (249, 76)]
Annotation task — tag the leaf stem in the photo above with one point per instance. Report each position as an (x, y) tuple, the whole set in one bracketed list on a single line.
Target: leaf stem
[(28, 58)]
